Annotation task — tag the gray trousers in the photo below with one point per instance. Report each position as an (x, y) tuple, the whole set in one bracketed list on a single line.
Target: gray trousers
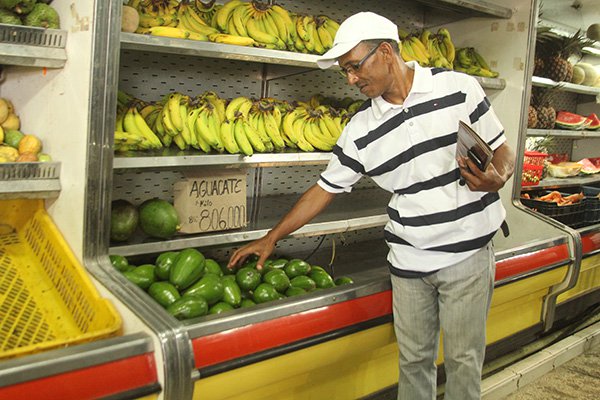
[(457, 300)]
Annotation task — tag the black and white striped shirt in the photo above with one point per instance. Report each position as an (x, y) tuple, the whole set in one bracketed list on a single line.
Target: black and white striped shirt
[(409, 150)]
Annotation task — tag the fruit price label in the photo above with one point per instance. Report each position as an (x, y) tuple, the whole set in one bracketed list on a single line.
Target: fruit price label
[(211, 201)]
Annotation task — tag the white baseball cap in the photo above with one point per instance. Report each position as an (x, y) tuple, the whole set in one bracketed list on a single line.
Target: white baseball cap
[(356, 28)]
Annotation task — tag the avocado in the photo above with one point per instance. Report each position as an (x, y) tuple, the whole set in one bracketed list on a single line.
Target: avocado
[(247, 278), (278, 279), (124, 219), (220, 307), (296, 267), (10, 18), (209, 287), (264, 293)]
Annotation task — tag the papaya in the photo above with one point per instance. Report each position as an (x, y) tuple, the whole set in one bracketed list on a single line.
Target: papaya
[(124, 219), (188, 268), (188, 307), (164, 262), (164, 293), (30, 144), (158, 218), (209, 287)]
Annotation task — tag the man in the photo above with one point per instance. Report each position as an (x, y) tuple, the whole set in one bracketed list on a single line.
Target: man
[(443, 211)]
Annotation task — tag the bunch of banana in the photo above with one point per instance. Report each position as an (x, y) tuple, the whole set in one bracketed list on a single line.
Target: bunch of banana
[(437, 56), (315, 34), (469, 61), (206, 11), (312, 128), (191, 21), (155, 13), (413, 49), (133, 133)]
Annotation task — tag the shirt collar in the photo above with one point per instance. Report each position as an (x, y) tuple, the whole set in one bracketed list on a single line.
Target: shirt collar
[(422, 83)]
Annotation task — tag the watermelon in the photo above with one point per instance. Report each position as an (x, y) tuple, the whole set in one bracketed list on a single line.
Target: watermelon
[(593, 123), (567, 120)]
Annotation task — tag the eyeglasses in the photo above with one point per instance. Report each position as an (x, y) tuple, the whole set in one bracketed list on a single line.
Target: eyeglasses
[(355, 68)]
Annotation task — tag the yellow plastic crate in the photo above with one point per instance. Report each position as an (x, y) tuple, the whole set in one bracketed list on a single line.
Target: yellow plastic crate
[(47, 300)]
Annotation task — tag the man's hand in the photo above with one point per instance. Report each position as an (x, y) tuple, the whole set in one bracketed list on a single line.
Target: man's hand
[(262, 248), (477, 180), (495, 176)]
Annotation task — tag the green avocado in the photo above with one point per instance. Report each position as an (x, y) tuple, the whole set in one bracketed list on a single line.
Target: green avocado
[(143, 276), (164, 262), (187, 269), (278, 279), (164, 293), (232, 294), (264, 293), (220, 307), (119, 262), (188, 307), (209, 287), (247, 278), (296, 267), (303, 282), (294, 291), (247, 303), (213, 267), (343, 280), (322, 279)]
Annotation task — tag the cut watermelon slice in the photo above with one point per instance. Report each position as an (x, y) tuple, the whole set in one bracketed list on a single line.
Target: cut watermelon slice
[(593, 123), (588, 167), (567, 120)]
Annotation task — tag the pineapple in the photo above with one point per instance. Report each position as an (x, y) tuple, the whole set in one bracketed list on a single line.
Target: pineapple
[(532, 118), (546, 114), (555, 51)]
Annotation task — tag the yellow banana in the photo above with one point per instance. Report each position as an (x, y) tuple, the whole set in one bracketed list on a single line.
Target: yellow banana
[(228, 137), (244, 109), (478, 58), (234, 105), (272, 26), (190, 139), (123, 137), (447, 40), (191, 24), (312, 28), (119, 122), (214, 124), (253, 136), (149, 20), (261, 36), (325, 37), (145, 130), (301, 29), (217, 102), (272, 129), (168, 123), (407, 51), (282, 28), (179, 142), (334, 127), (231, 39), (425, 36), (287, 21), (299, 129), (169, 31), (420, 51), (313, 136), (331, 25), (240, 137), (239, 16), (192, 126), (231, 30), (224, 13), (205, 131), (463, 58), (173, 102)]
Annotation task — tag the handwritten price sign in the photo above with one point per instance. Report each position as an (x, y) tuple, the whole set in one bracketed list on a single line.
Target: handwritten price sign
[(213, 201)]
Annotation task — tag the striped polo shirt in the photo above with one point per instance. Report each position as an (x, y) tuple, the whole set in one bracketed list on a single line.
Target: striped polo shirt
[(409, 150)]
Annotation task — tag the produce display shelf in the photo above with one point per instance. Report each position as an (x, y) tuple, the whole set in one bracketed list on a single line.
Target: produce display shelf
[(134, 41), (553, 183), (563, 133), (176, 158), (32, 47), (366, 208), (29, 180), (568, 31), (157, 44), (472, 7), (566, 86)]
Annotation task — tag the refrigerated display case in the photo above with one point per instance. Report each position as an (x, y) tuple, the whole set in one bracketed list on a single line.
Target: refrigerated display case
[(339, 340)]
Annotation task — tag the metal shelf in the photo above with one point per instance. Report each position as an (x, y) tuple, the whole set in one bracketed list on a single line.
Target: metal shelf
[(566, 86), (360, 209), (471, 7), (564, 133), (562, 182), (134, 41), (29, 180), (491, 83), (176, 158), (32, 47)]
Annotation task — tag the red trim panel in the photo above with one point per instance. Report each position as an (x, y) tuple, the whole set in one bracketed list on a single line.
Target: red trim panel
[(239, 342), (591, 242), (87, 383), (531, 261)]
